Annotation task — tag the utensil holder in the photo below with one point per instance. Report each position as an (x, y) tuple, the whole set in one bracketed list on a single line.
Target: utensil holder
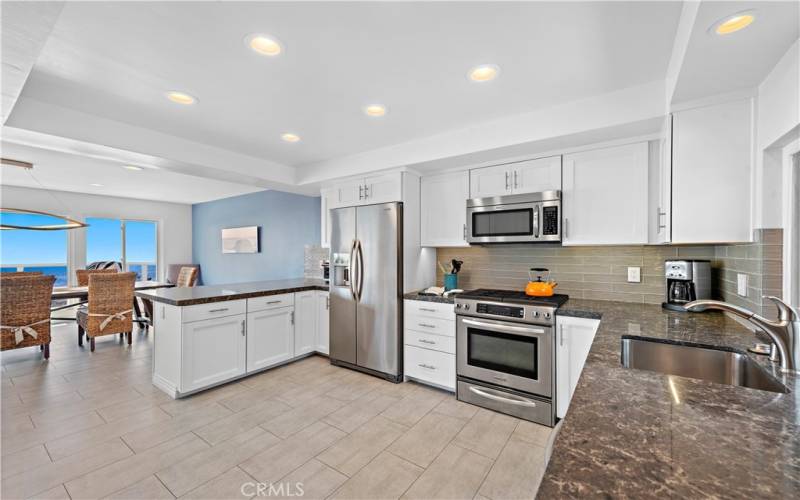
[(450, 281)]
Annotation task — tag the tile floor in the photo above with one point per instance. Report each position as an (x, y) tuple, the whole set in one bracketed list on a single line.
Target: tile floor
[(91, 425)]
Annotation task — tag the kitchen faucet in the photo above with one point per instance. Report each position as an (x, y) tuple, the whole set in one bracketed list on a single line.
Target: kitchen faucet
[(785, 332)]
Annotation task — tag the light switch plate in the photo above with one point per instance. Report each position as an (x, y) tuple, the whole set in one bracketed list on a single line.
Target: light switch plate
[(741, 284), (634, 275)]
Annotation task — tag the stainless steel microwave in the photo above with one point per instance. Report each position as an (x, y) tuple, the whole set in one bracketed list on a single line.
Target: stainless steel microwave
[(517, 218)]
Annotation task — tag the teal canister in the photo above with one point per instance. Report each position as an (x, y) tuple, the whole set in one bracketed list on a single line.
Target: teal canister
[(450, 281)]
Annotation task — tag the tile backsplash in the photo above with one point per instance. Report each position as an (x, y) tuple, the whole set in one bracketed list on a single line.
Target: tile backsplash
[(314, 255), (601, 272)]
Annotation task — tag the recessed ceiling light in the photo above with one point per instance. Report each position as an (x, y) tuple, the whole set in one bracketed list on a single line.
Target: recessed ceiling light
[(132, 167), (94, 184), (734, 23), (484, 73), (266, 45), (181, 97), (289, 137), (375, 110)]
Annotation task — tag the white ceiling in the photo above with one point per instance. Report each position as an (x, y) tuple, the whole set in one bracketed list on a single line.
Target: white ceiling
[(59, 171), (116, 59), (569, 71), (719, 64)]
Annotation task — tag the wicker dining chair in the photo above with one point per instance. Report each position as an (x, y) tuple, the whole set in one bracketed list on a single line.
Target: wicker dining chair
[(110, 307), (187, 277), (83, 274), (25, 312)]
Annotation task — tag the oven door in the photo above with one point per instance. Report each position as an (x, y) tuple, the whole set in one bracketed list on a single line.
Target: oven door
[(514, 223), (513, 355)]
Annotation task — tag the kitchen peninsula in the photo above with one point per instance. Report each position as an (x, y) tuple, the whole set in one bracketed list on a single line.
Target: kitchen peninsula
[(209, 335)]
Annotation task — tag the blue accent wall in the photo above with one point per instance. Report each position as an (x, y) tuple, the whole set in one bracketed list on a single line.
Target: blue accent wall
[(288, 222)]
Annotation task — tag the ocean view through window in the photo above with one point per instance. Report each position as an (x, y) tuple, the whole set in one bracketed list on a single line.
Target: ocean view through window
[(26, 250)]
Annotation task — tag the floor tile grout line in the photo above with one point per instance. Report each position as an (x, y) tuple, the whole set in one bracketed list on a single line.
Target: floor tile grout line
[(494, 463)]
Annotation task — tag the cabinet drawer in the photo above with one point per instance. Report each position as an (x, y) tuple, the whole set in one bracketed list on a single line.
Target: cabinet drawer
[(430, 309), (432, 325), (435, 367), (270, 302), (428, 341), (213, 310)]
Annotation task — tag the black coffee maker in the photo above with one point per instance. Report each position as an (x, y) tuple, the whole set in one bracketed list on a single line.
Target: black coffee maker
[(686, 280)]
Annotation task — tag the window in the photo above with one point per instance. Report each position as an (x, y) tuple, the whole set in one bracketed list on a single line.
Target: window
[(28, 250), (131, 243)]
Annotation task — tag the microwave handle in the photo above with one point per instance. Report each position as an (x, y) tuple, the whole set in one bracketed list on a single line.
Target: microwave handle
[(536, 222)]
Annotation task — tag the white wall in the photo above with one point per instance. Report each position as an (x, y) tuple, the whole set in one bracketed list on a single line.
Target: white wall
[(174, 220), (778, 114)]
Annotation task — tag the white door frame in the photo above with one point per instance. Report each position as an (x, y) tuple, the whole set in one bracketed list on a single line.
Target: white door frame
[(791, 223)]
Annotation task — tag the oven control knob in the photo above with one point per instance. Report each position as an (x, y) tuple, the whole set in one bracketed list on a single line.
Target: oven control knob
[(535, 314), (458, 306), (466, 307), (546, 315)]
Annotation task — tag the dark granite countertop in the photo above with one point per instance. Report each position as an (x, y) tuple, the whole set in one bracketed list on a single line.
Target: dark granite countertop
[(633, 433), (430, 298), (219, 293)]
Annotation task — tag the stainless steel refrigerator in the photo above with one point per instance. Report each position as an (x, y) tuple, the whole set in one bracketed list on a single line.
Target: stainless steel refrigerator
[(366, 289)]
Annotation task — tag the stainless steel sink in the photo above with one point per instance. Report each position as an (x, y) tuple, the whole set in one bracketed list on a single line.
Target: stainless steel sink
[(714, 365)]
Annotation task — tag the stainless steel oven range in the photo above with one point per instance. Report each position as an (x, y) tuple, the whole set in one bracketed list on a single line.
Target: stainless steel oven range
[(505, 356)]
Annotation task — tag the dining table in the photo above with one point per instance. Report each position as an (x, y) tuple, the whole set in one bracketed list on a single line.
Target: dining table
[(81, 293)]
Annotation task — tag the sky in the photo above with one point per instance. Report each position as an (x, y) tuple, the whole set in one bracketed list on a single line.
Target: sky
[(103, 241)]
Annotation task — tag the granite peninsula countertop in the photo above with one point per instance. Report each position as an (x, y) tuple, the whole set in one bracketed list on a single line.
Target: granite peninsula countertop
[(634, 433), (218, 293)]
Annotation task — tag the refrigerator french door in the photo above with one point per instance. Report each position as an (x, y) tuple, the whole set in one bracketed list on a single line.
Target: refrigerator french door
[(366, 289)]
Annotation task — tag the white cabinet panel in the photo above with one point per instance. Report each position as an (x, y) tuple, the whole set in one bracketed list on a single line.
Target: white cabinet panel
[(383, 188), (214, 350), (305, 328), (270, 337), (270, 302), (323, 322), (605, 196), (489, 181), (327, 197), (349, 193), (430, 341), (421, 308), (434, 367), (220, 309), (533, 176), (574, 337), (444, 209), (712, 173)]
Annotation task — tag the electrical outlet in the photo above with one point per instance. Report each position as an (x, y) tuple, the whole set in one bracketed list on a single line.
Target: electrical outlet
[(741, 284), (634, 275)]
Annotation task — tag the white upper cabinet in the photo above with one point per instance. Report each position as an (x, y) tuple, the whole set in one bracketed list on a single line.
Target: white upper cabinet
[(712, 159), (489, 181), (530, 176), (305, 328), (444, 209), (382, 188), (327, 197), (533, 176), (605, 196)]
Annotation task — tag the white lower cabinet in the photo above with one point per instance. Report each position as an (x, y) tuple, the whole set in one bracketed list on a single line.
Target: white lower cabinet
[(270, 337), (305, 328), (214, 350), (323, 322), (429, 353), (574, 337)]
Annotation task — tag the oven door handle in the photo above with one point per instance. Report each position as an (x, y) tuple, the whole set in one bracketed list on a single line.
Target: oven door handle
[(495, 395), (502, 328)]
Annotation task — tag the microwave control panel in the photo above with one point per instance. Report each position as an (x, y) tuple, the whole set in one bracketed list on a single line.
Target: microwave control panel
[(550, 221)]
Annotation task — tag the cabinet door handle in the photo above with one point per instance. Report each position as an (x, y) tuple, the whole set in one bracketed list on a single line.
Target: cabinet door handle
[(427, 341), (426, 325), (366, 191), (427, 310), (274, 302), (429, 367), (360, 194), (327, 302), (218, 310), (506, 181), (566, 225), (515, 179), (292, 317), (243, 328), (465, 232), (561, 334)]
